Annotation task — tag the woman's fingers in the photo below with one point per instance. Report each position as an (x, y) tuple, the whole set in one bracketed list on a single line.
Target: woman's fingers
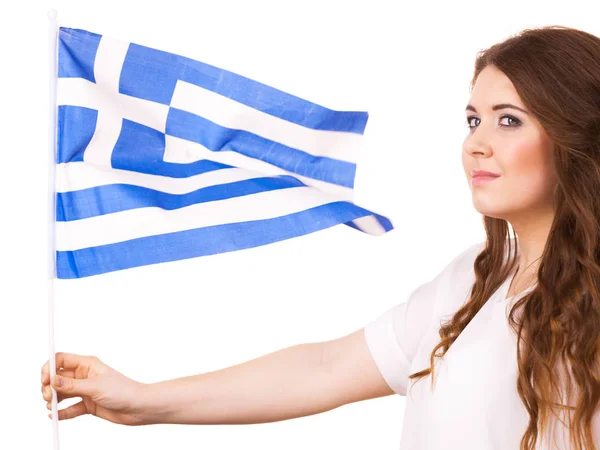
[(46, 382), (67, 361), (47, 394), (66, 373), (72, 411)]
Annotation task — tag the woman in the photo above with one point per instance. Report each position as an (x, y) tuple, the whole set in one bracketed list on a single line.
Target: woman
[(519, 330)]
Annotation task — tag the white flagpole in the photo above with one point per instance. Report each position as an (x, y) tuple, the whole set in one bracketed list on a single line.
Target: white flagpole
[(53, 68)]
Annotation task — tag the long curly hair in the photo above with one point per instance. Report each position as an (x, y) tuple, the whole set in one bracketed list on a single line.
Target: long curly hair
[(556, 72)]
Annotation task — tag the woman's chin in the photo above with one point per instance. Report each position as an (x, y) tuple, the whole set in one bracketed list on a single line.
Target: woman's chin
[(486, 210)]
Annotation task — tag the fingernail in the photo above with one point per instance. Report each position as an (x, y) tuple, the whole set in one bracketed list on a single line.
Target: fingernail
[(58, 381)]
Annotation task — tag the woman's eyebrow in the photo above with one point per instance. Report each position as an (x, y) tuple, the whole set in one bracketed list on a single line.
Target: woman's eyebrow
[(497, 107)]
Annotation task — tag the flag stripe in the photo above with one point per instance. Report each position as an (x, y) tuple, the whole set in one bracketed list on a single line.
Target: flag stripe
[(194, 128), (110, 228), (374, 225), (114, 198), (182, 151), (202, 241), (75, 176), (236, 116)]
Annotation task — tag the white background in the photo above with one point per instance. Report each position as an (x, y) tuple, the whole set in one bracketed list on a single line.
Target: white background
[(407, 63)]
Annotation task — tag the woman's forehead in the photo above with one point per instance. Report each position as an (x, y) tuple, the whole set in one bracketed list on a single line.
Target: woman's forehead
[(493, 87)]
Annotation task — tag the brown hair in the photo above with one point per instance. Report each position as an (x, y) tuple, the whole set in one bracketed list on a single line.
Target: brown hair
[(556, 72)]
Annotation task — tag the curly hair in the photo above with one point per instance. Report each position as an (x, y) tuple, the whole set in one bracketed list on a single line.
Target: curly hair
[(556, 72)]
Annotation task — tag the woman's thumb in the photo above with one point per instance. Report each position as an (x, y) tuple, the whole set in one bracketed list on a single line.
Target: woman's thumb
[(72, 385)]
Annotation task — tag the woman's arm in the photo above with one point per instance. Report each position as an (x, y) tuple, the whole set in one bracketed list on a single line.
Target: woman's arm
[(296, 381)]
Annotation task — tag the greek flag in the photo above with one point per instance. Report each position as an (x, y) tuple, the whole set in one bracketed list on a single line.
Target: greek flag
[(161, 157)]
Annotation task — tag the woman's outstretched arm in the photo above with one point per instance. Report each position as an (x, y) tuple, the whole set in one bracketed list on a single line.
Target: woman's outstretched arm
[(297, 381)]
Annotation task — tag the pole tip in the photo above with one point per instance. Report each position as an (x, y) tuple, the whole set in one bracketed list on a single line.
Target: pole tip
[(52, 14)]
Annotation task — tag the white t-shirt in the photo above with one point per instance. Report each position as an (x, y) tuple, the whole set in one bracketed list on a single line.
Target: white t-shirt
[(474, 404)]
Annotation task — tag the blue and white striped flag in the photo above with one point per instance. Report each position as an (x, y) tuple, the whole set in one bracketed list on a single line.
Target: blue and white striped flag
[(161, 157)]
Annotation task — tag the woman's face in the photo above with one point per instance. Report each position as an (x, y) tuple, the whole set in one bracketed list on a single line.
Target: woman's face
[(511, 143)]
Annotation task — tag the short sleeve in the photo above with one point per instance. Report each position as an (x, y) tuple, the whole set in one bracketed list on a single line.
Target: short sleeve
[(394, 337)]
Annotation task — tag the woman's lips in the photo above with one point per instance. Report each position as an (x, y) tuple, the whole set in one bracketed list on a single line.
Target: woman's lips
[(482, 179)]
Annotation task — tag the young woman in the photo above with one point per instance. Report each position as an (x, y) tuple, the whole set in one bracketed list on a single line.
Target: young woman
[(517, 319)]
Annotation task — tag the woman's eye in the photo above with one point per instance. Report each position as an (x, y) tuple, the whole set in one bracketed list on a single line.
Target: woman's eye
[(469, 121), (511, 121), (515, 121)]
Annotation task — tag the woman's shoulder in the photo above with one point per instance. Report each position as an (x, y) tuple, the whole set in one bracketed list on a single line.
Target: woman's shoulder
[(455, 281), (463, 263)]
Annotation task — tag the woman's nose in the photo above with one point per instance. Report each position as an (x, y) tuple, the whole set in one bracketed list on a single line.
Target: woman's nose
[(476, 147), (478, 142)]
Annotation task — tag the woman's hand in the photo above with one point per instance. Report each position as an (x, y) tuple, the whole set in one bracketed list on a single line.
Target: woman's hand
[(105, 393)]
